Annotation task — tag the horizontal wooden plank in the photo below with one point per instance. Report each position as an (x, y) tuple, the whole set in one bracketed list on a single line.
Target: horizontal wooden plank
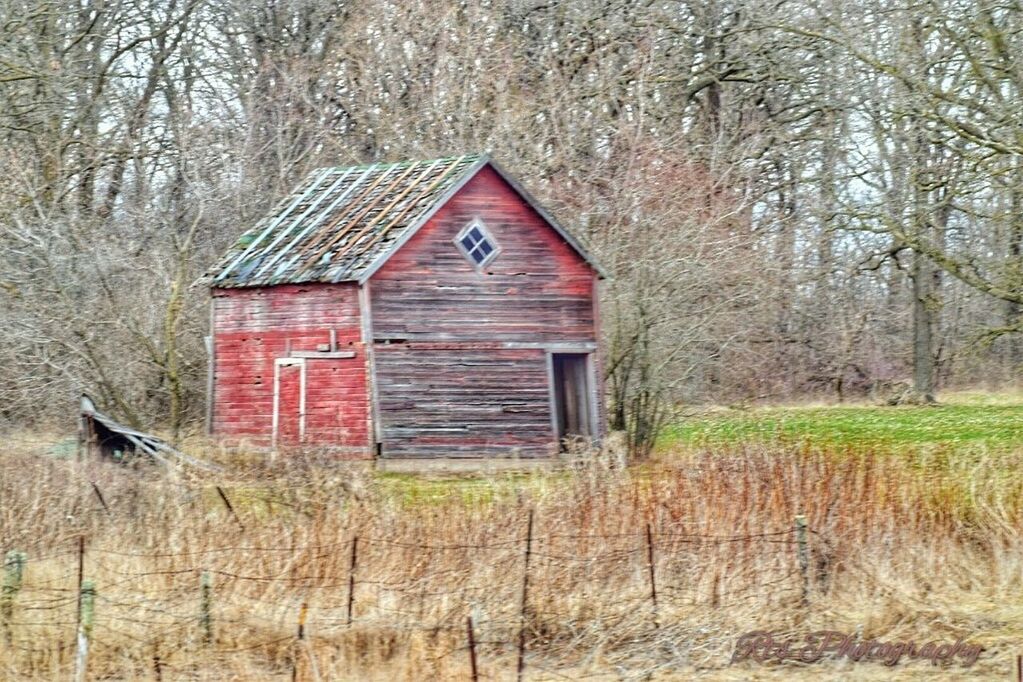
[(538, 289), (321, 355), (454, 400)]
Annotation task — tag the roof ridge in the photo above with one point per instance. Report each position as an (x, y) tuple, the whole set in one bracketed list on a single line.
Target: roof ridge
[(469, 157), (342, 222)]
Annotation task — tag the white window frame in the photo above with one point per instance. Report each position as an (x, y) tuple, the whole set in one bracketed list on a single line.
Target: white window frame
[(479, 225)]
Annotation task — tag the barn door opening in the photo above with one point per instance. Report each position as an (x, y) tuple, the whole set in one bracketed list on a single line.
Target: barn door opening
[(573, 397), (289, 401)]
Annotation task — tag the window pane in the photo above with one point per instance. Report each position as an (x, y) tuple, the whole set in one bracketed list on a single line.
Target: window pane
[(476, 244)]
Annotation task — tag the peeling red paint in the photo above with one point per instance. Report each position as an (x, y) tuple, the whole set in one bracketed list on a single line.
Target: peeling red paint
[(460, 354), (253, 328)]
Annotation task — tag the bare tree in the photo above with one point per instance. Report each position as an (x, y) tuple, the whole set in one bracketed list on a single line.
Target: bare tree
[(785, 207)]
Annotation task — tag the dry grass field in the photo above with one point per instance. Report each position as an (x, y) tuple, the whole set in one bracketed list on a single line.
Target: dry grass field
[(910, 543)]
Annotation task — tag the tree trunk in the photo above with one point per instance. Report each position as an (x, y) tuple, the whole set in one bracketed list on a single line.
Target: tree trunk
[(1013, 311), (922, 276)]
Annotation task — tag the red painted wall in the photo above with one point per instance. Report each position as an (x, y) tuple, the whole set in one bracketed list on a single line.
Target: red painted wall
[(253, 327), (537, 289), (445, 385)]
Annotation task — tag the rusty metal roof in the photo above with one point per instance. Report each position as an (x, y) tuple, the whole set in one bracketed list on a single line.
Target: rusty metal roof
[(338, 221), (340, 224)]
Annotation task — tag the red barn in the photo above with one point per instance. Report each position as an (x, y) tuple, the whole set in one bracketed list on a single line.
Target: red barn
[(407, 310)]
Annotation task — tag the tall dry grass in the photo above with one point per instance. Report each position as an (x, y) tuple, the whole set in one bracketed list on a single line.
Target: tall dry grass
[(927, 548)]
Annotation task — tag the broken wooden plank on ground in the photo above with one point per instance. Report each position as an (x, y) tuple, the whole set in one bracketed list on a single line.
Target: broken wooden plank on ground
[(101, 433)]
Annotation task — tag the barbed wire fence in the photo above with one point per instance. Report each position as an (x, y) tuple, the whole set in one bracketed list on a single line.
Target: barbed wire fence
[(530, 597)]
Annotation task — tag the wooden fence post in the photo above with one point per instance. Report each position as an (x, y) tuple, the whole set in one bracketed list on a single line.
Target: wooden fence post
[(351, 576), (88, 601), (14, 571), (302, 613), (81, 576), (525, 595), (205, 601), (804, 556), (472, 649), (653, 579), (300, 635), (80, 439), (157, 664)]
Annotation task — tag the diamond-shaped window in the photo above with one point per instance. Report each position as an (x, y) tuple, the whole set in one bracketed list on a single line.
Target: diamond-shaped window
[(477, 244)]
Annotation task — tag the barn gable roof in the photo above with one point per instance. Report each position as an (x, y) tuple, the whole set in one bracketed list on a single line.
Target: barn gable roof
[(342, 224)]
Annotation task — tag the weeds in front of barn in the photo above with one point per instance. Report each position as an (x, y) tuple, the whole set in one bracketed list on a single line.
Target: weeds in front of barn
[(896, 548)]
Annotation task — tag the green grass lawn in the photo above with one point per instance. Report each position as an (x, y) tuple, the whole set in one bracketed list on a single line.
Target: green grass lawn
[(966, 422), (413, 489), (960, 421)]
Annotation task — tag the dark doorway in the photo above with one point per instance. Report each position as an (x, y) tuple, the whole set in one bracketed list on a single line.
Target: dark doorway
[(572, 396)]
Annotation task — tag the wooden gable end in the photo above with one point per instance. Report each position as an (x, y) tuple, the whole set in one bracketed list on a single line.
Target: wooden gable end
[(538, 288)]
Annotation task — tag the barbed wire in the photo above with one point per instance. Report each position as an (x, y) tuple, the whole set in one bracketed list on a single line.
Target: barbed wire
[(402, 586)]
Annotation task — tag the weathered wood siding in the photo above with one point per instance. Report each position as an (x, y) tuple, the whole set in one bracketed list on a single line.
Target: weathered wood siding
[(461, 362), (455, 400), (254, 327), (537, 289)]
